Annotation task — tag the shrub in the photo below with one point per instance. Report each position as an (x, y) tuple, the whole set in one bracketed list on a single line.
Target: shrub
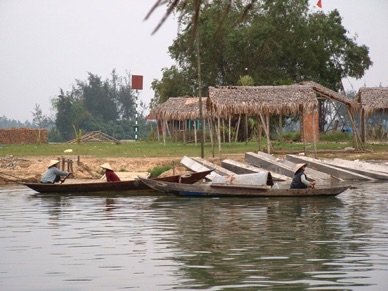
[(336, 137), (157, 171)]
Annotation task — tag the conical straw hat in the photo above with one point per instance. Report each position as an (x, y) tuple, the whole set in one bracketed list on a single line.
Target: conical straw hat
[(106, 166), (298, 166), (52, 163)]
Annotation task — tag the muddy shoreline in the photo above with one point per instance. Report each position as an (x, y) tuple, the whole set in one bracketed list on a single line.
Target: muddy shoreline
[(29, 169)]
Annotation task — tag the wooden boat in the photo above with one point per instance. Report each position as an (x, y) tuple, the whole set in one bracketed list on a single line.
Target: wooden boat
[(122, 186), (223, 190)]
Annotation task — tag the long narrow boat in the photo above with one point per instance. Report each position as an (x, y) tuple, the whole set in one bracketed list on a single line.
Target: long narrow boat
[(121, 186), (221, 190)]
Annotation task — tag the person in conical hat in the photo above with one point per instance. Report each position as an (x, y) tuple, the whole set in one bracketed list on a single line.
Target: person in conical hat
[(53, 174), (300, 179), (109, 173)]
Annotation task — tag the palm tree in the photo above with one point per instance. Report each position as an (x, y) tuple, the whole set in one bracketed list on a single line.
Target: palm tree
[(181, 5)]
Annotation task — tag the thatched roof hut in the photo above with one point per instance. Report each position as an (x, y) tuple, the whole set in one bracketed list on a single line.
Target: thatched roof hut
[(180, 108), (251, 100), (372, 99)]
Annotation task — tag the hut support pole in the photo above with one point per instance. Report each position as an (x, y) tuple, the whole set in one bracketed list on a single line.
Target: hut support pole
[(184, 131), (223, 130), (259, 132), (356, 136), (266, 130), (195, 133), (269, 145), (363, 127), (303, 132), (230, 127), (219, 137), (314, 133), (246, 128), (280, 127), (211, 133), (164, 131), (238, 127), (168, 131)]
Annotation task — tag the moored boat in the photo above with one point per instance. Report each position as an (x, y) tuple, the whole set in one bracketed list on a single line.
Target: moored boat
[(116, 187), (224, 190)]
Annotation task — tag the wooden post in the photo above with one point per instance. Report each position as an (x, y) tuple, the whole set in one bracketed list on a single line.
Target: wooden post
[(246, 129), (219, 137), (259, 132), (363, 127), (184, 131), (238, 127), (164, 131), (303, 132), (266, 130), (195, 132), (269, 145), (211, 133), (230, 128), (314, 137), (280, 127)]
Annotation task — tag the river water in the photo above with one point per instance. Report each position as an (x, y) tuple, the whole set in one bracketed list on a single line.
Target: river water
[(50, 242)]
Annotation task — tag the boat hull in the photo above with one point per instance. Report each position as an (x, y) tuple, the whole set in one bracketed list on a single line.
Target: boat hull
[(209, 190), (121, 186)]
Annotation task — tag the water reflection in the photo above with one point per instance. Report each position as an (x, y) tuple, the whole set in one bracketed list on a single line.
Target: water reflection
[(253, 240), (164, 243)]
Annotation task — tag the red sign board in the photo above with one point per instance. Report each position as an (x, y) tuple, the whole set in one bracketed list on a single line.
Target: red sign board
[(137, 82)]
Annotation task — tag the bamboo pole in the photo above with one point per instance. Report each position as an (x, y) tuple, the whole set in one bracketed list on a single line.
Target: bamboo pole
[(266, 130), (195, 133), (238, 127), (230, 128), (219, 137), (356, 136), (314, 137)]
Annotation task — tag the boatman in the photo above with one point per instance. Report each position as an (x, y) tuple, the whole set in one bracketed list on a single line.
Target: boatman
[(53, 174), (300, 179), (109, 173)]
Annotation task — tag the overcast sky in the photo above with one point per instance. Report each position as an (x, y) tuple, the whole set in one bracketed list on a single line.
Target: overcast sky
[(46, 44)]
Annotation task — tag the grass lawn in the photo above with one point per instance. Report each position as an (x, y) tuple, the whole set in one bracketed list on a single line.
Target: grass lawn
[(158, 149)]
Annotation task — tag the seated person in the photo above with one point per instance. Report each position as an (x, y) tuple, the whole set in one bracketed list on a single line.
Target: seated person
[(300, 179), (53, 174), (109, 173)]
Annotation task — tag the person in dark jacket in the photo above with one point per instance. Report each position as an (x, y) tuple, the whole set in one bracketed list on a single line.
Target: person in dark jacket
[(109, 173), (300, 179), (53, 174)]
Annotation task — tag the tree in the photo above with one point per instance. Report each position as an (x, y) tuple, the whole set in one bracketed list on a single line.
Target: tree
[(279, 41), (109, 106), (174, 83), (99, 100), (40, 120)]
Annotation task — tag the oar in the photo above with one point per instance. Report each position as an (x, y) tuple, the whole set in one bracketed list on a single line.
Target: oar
[(64, 179)]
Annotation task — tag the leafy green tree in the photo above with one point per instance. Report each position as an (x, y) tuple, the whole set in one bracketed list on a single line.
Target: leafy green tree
[(279, 41), (174, 83), (109, 106), (39, 119), (98, 99)]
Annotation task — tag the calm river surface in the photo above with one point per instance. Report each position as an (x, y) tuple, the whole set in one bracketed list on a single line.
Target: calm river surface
[(171, 243)]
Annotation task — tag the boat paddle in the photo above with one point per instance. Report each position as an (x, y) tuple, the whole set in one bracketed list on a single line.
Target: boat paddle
[(64, 179)]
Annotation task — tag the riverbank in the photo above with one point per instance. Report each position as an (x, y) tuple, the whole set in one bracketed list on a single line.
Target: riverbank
[(29, 169), (16, 169)]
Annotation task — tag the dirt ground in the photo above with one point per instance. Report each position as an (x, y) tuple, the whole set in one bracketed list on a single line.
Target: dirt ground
[(30, 169)]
